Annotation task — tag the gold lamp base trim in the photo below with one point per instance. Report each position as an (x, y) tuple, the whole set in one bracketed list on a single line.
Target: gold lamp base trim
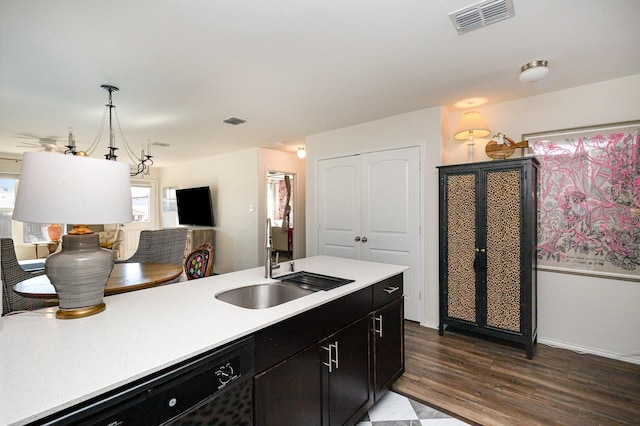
[(80, 312)]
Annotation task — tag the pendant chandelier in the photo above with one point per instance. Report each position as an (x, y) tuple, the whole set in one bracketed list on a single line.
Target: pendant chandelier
[(141, 165)]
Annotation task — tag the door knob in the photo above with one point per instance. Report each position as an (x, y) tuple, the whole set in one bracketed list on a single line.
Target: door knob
[(358, 239), (364, 239)]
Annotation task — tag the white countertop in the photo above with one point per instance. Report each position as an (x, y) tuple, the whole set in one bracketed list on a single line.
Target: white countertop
[(47, 364)]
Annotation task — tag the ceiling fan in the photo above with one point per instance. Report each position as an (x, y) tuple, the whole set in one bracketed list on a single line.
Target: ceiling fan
[(49, 144)]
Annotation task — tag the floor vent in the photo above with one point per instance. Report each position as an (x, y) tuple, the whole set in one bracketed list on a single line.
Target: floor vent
[(234, 120), (481, 14)]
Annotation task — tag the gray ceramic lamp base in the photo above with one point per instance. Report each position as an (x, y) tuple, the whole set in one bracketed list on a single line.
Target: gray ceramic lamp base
[(79, 274)]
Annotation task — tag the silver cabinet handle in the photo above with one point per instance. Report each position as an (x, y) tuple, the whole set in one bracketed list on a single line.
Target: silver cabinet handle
[(331, 360), (336, 360), (377, 330), (364, 239), (329, 363), (357, 238), (390, 290)]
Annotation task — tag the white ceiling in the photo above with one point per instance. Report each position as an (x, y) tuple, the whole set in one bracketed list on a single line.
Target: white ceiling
[(289, 67)]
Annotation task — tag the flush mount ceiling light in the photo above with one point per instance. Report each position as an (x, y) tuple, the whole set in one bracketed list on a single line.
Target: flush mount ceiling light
[(534, 71), (470, 102)]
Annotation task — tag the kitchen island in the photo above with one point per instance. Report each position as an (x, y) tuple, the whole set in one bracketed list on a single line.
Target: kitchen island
[(47, 365)]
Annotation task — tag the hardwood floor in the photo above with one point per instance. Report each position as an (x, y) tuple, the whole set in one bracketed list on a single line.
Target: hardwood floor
[(493, 383)]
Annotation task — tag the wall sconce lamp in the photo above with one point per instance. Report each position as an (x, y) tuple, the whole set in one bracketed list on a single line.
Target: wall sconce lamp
[(301, 152), (471, 125), (534, 71), (56, 188)]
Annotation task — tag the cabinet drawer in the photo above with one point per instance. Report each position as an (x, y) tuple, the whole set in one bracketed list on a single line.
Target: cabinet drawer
[(279, 341), (387, 291)]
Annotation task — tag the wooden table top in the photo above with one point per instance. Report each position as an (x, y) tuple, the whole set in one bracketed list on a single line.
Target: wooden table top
[(124, 277)]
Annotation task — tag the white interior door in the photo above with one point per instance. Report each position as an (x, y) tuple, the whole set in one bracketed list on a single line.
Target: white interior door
[(339, 207), (369, 208), (390, 217)]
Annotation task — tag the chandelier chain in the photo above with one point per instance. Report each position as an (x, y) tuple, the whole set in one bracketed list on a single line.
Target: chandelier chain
[(127, 148), (96, 140)]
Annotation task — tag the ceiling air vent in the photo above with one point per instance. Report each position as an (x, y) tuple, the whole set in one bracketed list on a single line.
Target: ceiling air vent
[(481, 14), (161, 144), (234, 120)]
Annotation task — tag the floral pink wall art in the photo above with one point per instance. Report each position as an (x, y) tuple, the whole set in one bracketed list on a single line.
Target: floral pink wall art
[(589, 200)]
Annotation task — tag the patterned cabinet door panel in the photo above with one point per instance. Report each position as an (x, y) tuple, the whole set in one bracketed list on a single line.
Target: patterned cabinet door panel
[(461, 243), (504, 223)]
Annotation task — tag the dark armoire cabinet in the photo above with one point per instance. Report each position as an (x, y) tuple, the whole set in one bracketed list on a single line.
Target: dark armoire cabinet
[(488, 249)]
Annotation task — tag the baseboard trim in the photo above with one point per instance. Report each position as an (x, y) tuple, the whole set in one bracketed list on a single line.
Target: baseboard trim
[(631, 358)]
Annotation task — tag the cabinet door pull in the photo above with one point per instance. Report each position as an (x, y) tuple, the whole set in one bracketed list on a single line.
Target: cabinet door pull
[(378, 330), (390, 290), (331, 360), (330, 363), (357, 238), (364, 239)]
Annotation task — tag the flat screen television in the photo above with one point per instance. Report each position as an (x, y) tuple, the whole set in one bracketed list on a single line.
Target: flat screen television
[(194, 206)]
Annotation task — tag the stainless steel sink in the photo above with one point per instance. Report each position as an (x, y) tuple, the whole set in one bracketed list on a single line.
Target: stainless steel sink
[(313, 281), (262, 296)]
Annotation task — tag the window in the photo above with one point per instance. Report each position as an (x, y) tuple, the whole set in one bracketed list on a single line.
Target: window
[(19, 231), (169, 202), (141, 202)]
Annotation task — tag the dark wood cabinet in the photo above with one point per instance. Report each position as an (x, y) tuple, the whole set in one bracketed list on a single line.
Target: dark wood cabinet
[(345, 358), (291, 392), (388, 346), (322, 367), (327, 384), (487, 258), (387, 334)]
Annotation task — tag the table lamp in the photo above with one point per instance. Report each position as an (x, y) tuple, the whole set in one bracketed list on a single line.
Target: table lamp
[(471, 125), (57, 188)]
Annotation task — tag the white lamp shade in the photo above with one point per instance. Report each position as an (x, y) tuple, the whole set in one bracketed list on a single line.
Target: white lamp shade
[(471, 124), (301, 152), (56, 188)]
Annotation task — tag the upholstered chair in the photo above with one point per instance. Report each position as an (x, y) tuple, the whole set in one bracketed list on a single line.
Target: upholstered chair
[(160, 246), (12, 273)]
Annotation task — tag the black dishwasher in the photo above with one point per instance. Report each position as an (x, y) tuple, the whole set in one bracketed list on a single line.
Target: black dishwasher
[(215, 388)]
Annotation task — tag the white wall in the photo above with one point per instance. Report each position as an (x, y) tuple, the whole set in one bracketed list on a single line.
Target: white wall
[(238, 184), (233, 179), (583, 313)]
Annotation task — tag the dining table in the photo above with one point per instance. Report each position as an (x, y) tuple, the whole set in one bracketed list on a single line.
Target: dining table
[(124, 277)]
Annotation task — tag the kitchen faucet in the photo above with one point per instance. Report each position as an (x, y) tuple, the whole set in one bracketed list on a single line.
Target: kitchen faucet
[(269, 266)]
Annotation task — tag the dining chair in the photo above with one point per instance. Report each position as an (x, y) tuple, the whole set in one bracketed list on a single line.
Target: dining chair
[(160, 246), (199, 262), (12, 273)]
